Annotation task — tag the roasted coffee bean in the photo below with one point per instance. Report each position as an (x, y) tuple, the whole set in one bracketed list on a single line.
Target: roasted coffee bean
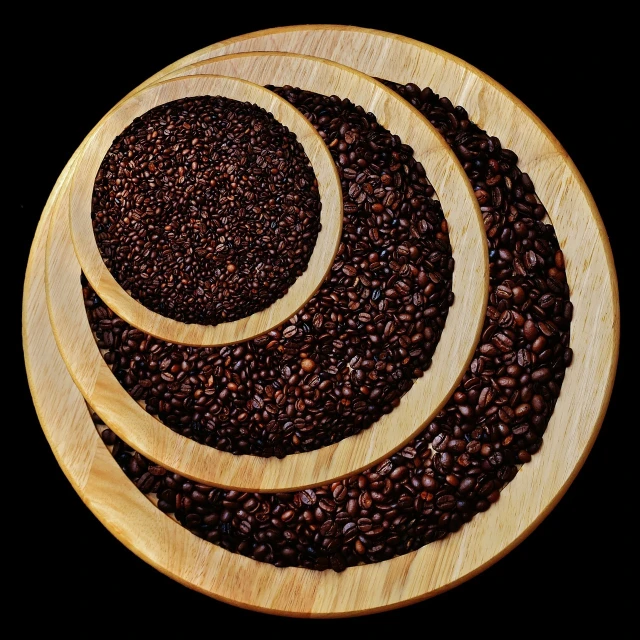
[(431, 487)]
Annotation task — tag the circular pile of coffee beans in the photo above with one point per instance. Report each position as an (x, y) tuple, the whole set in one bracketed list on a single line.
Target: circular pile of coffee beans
[(206, 209), (457, 466), (351, 352)]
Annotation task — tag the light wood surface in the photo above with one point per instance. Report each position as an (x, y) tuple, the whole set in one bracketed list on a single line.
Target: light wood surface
[(453, 353), (524, 503), (96, 146)]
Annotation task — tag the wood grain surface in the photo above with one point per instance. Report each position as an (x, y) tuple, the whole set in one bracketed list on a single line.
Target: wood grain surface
[(524, 503), (131, 310)]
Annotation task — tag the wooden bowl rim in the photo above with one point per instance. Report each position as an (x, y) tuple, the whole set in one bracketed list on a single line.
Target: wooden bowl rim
[(98, 143)]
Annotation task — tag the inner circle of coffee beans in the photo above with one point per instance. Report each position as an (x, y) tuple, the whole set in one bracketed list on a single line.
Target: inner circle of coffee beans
[(206, 209), (354, 349), (457, 466)]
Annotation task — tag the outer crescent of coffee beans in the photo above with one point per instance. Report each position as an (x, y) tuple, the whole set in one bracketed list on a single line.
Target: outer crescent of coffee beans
[(493, 423)]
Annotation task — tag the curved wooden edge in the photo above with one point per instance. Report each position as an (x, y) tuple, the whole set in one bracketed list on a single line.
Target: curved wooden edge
[(128, 308), (209, 569), (429, 393)]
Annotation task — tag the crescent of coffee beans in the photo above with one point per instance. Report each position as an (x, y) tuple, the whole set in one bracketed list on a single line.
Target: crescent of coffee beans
[(457, 466), (354, 348), (206, 209)]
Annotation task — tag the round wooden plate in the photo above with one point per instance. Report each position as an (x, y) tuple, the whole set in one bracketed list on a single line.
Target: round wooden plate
[(144, 433), (96, 146), (524, 503)]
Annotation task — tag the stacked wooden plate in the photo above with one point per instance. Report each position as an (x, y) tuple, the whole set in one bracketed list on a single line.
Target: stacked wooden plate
[(70, 380)]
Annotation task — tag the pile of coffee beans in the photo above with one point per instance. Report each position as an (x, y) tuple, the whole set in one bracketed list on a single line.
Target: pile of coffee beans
[(457, 466), (351, 352), (206, 209)]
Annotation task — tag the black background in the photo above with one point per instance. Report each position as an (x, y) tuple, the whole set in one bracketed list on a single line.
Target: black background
[(572, 572)]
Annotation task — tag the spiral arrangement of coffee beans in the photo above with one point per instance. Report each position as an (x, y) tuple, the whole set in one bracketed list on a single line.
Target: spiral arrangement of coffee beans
[(457, 466)]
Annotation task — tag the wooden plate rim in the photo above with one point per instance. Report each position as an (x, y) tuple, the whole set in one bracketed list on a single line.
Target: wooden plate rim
[(426, 574)]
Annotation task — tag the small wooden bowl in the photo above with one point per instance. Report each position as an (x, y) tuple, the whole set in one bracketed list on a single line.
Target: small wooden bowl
[(208, 465), (525, 502), (96, 146)]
